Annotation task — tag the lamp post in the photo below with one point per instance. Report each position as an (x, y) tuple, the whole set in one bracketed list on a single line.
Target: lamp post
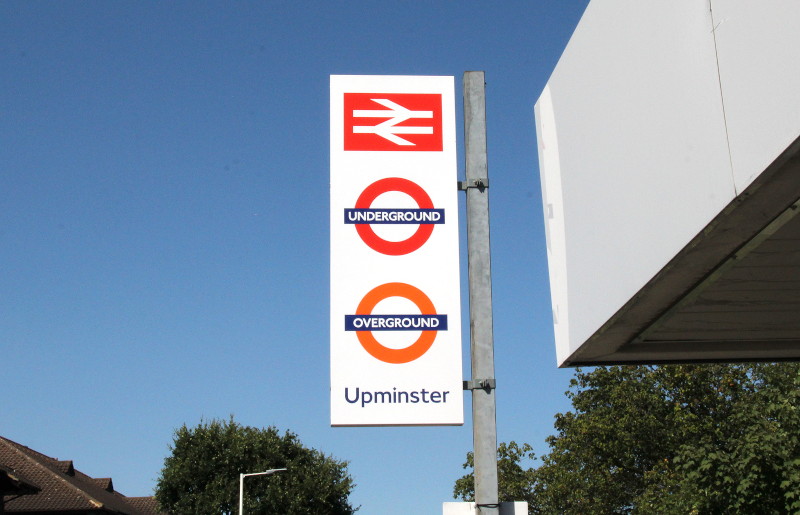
[(241, 484)]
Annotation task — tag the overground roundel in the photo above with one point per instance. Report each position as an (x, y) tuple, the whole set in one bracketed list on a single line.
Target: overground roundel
[(386, 354), (394, 248)]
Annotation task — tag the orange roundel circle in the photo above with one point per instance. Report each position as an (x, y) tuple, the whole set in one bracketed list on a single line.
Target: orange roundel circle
[(371, 344)]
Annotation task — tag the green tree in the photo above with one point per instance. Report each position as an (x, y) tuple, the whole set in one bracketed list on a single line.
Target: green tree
[(514, 482), (202, 473), (706, 439)]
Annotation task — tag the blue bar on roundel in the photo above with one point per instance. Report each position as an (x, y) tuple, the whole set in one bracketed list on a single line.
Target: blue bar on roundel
[(393, 216), (395, 322)]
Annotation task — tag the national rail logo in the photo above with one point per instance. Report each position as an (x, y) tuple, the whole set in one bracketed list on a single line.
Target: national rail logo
[(364, 323), (363, 216), (393, 122)]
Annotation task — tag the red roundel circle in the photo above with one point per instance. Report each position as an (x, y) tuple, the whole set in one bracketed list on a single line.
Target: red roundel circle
[(371, 344), (394, 248)]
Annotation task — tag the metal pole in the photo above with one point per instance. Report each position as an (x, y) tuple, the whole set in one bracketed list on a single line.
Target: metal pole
[(241, 494), (241, 484), (484, 432)]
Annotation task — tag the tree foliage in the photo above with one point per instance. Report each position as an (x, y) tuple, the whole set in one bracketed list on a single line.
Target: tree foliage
[(514, 482), (706, 439), (202, 473)]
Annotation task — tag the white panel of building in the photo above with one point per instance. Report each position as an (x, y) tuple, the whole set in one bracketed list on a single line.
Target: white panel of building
[(633, 154), (758, 44)]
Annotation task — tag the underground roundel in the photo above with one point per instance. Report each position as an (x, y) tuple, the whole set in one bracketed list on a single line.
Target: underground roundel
[(425, 216)]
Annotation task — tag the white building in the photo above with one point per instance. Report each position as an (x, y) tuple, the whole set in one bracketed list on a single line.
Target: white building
[(668, 149)]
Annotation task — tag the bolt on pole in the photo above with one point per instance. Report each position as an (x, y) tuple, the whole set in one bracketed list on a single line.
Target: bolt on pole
[(484, 432)]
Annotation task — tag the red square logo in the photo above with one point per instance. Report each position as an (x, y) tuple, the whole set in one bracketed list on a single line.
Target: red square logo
[(393, 122)]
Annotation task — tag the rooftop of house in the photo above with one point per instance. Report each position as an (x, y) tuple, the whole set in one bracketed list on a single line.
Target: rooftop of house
[(61, 487)]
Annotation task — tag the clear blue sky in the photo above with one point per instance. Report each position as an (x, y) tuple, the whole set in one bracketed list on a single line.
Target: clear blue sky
[(164, 225)]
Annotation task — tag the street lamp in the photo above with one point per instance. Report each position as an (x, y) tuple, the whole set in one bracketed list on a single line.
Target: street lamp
[(241, 484)]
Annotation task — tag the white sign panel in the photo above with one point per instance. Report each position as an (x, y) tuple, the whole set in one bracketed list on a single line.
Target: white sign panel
[(395, 302)]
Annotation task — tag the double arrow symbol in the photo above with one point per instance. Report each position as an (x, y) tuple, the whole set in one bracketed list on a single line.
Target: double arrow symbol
[(389, 129)]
